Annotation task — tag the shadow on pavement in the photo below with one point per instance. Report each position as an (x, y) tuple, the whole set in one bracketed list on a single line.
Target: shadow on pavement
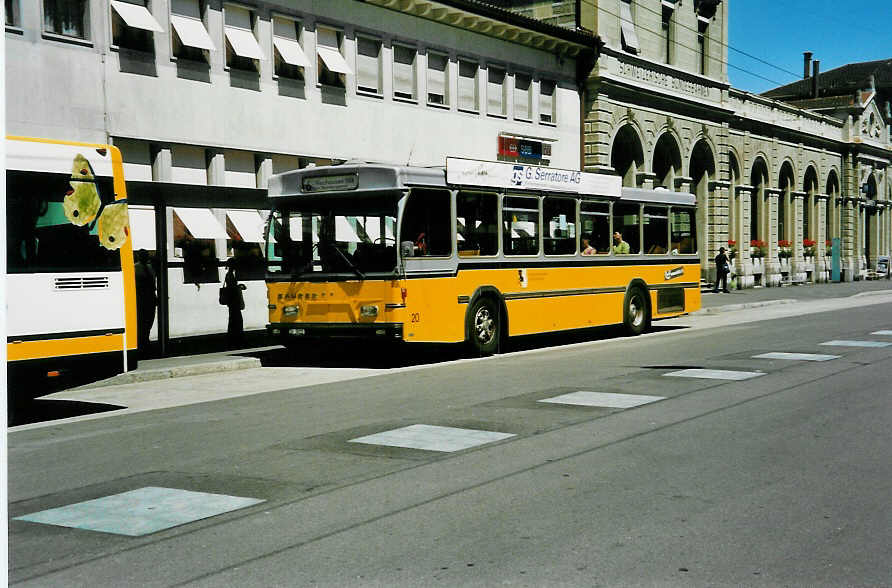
[(38, 411)]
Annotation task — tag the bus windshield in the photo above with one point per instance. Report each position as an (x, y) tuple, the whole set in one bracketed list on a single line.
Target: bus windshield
[(343, 243)]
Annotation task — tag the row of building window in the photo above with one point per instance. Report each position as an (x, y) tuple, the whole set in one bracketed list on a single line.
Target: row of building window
[(133, 26), (704, 11)]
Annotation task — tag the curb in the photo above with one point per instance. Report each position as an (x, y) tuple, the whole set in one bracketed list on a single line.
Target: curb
[(195, 369), (744, 305)]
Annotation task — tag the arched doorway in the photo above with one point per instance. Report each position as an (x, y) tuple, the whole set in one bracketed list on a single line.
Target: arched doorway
[(832, 212), (787, 183), (758, 218), (870, 219), (627, 155), (702, 172), (809, 217), (666, 161)]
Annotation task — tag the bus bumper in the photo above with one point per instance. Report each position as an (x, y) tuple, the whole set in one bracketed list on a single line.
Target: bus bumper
[(285, 333)]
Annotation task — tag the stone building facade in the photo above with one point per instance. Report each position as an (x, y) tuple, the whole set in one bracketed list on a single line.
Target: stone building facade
[(775, 181)]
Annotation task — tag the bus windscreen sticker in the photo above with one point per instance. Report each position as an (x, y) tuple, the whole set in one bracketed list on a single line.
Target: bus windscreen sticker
[(82, 205)]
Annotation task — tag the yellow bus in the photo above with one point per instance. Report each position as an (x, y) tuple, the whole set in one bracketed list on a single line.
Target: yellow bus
[(474, 252), (71, 313)]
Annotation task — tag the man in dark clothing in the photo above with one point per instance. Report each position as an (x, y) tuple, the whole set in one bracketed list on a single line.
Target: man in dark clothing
[(146, 299), (722, 269), (235, 302)]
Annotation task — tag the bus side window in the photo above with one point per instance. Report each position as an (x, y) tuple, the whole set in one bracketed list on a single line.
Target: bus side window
[(477, 224), (520, 225), (656, 230), (426, 230), (626, 222), (684, 231), (560, 232), (595, 226)]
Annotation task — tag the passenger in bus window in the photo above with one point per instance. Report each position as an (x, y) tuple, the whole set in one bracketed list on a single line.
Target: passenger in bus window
[(587, 248), (620, 247)]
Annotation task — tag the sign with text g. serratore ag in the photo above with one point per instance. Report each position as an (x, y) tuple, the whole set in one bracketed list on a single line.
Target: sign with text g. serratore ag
[(518, 176)]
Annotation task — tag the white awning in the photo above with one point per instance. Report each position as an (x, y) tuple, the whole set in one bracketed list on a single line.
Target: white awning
[(192, 32), (136, 16), (291, 52), (248, 223), (201, 223), (142, 228), (333, 60), (244, 43), (669, 4)]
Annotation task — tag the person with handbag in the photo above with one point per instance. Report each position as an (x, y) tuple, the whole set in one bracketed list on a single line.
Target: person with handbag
[(231, 297), (722, 269)]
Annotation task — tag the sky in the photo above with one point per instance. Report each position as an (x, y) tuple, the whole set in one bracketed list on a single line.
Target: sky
[(778, 31)]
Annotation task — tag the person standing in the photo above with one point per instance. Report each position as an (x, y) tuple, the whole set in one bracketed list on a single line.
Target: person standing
[(235, 303), (146, 300), (722, 269)]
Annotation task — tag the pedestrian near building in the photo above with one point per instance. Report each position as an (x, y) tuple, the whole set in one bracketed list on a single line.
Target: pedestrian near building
[(722, 269), (231, 297), (146, 300)]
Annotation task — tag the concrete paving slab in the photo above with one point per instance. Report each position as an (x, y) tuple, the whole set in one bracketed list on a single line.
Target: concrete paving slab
[(140, 512), (796, 356), (433, 438), (602, 399), (714, 374), (846, 343)]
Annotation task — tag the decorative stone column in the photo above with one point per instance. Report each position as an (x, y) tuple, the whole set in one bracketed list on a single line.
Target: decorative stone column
[(848, 238), (744, 264), (645, 180), (822, 264), (797, 262), (772, 272)]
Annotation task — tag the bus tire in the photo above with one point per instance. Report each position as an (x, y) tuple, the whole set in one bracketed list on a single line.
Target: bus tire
[(636, 311), (484, 328)]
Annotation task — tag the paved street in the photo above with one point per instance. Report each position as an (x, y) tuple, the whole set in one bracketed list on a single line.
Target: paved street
[(675, 458)]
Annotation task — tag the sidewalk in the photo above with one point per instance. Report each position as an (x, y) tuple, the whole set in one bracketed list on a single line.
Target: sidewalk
[(226, 361)]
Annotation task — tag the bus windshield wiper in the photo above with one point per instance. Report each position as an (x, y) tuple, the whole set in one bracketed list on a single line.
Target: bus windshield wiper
[(348, 260)]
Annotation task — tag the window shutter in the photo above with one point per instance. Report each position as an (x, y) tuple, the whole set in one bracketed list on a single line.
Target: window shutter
[(403, 71), (437, 78), (368, 65), (546, 101), (627, 26), (495, 91), (467, 85), (237, 16), (328, 38), (522, 96)]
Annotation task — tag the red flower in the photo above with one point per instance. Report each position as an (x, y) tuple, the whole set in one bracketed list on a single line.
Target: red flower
[(732, 242), (784, 243), (809, 242)]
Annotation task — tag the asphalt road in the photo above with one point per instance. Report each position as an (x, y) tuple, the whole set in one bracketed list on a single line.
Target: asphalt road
[(781, 479)]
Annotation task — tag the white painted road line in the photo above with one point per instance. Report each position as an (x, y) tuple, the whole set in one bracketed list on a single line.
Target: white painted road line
[(602, 399), (140, 512), (432, 438), (796, 356), (882, 333), (714, 374), (843, 343)]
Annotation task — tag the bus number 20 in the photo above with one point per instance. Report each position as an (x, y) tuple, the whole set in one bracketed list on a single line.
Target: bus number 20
[(415, 317)]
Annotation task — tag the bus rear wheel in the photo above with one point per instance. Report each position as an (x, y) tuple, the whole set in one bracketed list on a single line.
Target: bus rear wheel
[(484, 329), (636, 311)]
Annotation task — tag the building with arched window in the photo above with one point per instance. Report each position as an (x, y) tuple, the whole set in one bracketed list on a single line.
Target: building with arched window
[(777, 176)]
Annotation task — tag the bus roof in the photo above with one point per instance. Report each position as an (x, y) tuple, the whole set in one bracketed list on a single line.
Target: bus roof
[(376, 178), (658, 196)]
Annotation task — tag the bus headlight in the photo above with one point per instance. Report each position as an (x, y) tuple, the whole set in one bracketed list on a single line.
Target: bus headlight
[(291, 310), (368, 311)]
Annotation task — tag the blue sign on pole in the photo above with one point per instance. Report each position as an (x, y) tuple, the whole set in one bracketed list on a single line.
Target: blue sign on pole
[(835, 262)]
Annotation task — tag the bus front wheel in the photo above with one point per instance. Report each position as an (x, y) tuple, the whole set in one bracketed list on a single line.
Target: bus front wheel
[(636, 311), (485, 328)]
